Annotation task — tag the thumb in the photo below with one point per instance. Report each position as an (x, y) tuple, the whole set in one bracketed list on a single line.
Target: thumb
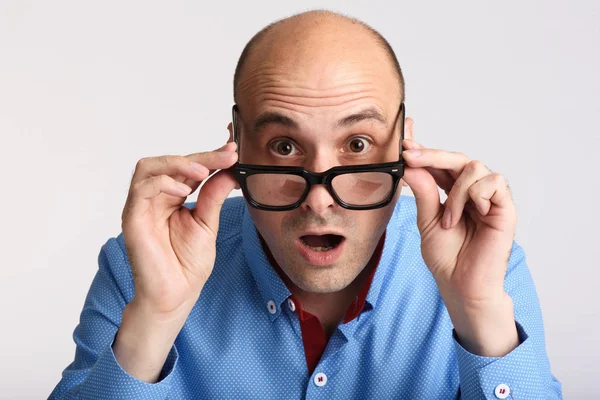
[(211, 197), (426, 193)]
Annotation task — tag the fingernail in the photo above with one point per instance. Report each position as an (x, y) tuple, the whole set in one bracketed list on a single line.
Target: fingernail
[(225, 154), (447, 218), (222, 147), (199, 167), (185, 189), (414, 153)]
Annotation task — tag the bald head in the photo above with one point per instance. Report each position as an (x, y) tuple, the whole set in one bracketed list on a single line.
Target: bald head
[(309, 36)]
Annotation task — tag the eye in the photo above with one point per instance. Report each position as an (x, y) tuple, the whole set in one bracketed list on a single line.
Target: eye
[(283, 147), (358, 145)]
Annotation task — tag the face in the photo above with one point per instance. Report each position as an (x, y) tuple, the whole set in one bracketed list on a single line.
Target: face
[(328, 101)]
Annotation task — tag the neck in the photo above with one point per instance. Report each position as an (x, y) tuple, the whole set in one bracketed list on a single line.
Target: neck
[(330, 308)]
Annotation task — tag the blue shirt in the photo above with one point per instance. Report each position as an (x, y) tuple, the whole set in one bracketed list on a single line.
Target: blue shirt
[(232, 346)]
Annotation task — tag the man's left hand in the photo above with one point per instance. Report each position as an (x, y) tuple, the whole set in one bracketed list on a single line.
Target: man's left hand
[(466, 243)]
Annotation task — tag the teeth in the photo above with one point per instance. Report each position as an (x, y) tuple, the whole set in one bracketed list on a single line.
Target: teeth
[(321, 248), (316, 248)]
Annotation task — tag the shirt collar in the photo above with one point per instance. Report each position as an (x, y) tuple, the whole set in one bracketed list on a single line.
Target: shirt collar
[(270, 285)]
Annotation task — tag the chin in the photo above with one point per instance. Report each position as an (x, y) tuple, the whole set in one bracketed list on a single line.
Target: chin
[(319, 280), (321, 289)]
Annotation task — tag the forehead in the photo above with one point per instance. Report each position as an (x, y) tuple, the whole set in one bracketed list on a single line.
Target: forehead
[(325, 70)]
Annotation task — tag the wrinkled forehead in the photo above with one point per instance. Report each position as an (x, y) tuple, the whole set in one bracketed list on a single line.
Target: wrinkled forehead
[(330, 72)]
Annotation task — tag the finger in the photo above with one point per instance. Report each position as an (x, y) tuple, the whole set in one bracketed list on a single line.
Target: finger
[(142, 193), (426, 194), (491, 190), (453, 162), (442, 177), (211, 198), (214, 159), (214, 156), (225, 158), (168, 165), (459, 195), (183, 166), (152, 187), (226, 147)]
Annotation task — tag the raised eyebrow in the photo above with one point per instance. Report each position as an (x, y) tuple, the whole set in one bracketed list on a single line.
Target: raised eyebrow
[(370, 113), (272, 118)]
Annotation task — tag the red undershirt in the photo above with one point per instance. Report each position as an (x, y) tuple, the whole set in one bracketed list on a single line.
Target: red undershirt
[(313, 335)]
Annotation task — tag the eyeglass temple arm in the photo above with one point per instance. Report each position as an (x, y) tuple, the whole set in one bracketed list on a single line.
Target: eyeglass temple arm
[(234, 127), (402, 112)]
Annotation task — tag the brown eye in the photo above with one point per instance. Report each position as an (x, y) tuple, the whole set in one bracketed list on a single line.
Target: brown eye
[(357, 145), (283, 147)]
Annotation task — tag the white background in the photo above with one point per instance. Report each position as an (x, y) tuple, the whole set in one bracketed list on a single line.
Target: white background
[(88, 88)]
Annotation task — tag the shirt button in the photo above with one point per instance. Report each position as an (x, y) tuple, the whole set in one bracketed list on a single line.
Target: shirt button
[(502, 391), (271, 307), (292, 305), (320, 379)]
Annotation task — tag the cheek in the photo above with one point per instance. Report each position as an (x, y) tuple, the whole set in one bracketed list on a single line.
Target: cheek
[(369, 224), (268, 223), (372, 224)]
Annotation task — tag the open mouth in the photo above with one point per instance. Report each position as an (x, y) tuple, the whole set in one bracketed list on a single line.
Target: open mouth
[(321, 242)]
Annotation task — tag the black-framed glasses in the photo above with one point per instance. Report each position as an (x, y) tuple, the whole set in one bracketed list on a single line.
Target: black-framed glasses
[(283, 188)]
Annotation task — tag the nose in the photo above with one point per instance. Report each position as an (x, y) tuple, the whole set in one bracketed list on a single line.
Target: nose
[(318, 200)]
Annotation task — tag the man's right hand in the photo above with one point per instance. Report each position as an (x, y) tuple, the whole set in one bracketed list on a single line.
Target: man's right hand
[(171, 250)]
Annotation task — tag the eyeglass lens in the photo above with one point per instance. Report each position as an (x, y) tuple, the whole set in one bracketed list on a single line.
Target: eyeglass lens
[(356, 188)]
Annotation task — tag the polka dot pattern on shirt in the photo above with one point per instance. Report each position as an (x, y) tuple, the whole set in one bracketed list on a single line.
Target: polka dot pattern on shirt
[(401, 346)]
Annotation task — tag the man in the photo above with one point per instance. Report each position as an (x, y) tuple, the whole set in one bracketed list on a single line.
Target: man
[(324, 282)]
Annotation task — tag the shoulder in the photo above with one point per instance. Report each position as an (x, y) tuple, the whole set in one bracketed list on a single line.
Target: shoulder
[(405, 215)]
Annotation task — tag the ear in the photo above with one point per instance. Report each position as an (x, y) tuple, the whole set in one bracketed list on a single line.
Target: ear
[(408, 134), (230, 129), (408, 128)]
